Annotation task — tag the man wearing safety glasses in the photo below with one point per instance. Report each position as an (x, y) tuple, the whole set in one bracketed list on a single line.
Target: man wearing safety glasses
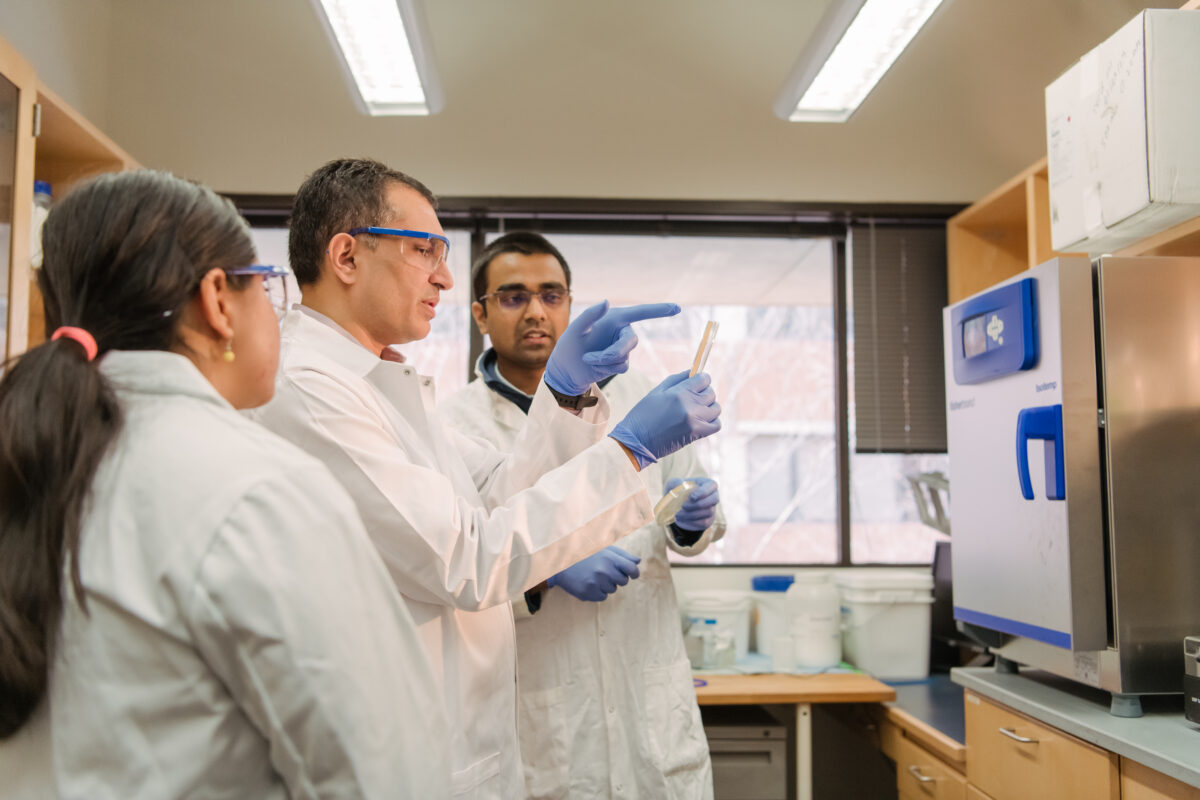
[(600, 647), (460, 526)]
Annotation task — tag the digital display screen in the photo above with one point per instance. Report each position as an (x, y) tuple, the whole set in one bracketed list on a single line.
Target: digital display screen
[(974, 336)]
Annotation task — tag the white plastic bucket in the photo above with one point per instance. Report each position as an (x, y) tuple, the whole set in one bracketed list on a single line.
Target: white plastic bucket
[(885, 622), (730, 608)]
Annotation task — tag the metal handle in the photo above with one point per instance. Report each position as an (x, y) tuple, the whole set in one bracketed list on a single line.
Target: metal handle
[(1010, 733), (916, 773)]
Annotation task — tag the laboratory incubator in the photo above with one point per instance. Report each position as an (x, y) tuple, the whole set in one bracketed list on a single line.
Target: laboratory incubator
[(1073, 424)]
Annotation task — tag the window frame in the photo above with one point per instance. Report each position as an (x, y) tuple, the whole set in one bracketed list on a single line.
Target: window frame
[(549, 216)]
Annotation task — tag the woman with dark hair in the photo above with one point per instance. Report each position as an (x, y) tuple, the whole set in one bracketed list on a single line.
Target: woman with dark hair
[(189, 605)]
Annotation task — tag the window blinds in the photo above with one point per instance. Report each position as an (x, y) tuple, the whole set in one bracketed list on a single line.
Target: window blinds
[(898, 289)]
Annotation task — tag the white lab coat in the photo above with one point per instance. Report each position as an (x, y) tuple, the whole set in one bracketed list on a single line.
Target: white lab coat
[(460, 526), (242, 637), (607, 705)]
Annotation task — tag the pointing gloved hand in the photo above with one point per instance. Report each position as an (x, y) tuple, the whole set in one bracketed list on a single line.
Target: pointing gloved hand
[(597, 344), (700, 509), (598, 575), (675, 413)]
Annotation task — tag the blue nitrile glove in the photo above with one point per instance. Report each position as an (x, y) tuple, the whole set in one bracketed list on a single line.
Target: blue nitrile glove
[(701, 507), (675, 413), (597, 344), (598, 575)]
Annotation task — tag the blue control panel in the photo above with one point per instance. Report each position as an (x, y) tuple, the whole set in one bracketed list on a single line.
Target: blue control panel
[(996, 333)]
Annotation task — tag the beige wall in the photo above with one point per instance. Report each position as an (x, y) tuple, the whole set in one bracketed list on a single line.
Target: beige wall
[(68, 43), (623, 98)]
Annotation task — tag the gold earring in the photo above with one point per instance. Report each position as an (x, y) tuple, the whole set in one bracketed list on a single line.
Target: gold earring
[(228, 356)]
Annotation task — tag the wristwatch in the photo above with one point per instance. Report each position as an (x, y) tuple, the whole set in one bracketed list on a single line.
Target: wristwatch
[(574, 402)]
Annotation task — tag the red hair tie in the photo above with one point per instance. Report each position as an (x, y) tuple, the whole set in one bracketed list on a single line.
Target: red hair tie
[(84, 338)]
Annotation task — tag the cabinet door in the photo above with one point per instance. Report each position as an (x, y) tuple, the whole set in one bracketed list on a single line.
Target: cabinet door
[(1012, 757), (1139, 782), (18, 89)]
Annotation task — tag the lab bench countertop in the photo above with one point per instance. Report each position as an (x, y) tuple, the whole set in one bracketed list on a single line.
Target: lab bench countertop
[(931, 711), (724, 690), (1161, 739)]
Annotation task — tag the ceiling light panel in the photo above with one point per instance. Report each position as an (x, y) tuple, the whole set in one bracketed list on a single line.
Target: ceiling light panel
[(848, 54), (383, 46)]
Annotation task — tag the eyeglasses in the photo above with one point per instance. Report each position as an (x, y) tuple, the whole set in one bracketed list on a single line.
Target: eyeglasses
[(518, 299), (423, 250), (274, 282)]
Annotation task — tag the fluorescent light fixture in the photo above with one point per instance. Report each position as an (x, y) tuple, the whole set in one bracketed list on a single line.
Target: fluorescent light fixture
[(384, 49), (853, 46)]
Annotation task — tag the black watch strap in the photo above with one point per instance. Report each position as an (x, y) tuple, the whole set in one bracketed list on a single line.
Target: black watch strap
[(574, 402)]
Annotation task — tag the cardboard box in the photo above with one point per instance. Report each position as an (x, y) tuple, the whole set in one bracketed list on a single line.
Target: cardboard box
[(1123, 135)]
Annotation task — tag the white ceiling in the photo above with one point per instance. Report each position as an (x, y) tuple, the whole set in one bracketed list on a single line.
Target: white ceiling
[(609, 98)]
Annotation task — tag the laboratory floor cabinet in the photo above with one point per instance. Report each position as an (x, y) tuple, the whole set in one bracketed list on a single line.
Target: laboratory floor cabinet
[(749, 747), (752, 747)]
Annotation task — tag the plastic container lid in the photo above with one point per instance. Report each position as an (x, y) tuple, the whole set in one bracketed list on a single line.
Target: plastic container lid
[(41, 187), (810, 576), (771, 583), (873, 579), (717, 600), (666, 508)]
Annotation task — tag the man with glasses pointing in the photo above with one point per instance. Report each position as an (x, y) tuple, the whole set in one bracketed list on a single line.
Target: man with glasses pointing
[(607, 706), (460, 526)]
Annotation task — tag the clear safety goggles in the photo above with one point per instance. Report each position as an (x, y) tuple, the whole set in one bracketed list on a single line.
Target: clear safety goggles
[(423, 250), (518, 299), (274, 283)]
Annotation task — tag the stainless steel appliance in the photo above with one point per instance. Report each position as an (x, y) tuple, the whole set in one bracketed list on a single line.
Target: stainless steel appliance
[(1073, 409)]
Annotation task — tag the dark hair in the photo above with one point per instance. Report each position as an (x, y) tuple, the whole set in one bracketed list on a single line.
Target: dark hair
[(526, 243), (344, 194), (123, 253)]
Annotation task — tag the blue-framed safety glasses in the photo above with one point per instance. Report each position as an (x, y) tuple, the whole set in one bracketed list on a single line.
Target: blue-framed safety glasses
[(274, 282), (421, 249)]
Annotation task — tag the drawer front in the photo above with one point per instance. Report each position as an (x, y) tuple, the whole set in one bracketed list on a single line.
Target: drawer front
[(1012, 757), (889, 739), (1139, 782), (974, 794), (749, 769), (923, 776)]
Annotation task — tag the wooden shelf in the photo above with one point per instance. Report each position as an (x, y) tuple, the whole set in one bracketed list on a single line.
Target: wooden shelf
[(68, 149), (1006, 232)]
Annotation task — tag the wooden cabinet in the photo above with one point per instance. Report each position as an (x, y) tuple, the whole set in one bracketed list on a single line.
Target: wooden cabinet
[(66, 149), (929, 765), (16, 195), (920, 775), (1004, 233), (1008, 231), (1139, 782), (1013, 757)]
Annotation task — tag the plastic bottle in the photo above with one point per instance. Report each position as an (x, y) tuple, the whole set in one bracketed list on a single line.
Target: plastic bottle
[(816, 611), (41, 209)]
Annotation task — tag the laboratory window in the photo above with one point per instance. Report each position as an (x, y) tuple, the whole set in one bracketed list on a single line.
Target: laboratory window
[(777, 362)]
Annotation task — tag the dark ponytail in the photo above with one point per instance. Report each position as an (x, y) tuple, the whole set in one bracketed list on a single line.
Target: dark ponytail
[(123, 254)]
